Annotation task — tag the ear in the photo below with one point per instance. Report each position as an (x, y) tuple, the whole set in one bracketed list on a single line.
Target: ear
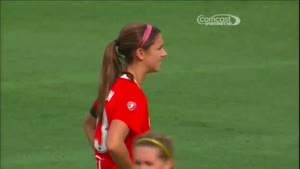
[(140, 53), (169, 164)]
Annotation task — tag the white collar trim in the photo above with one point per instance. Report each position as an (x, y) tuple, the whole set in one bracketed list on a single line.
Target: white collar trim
[(124, 76)]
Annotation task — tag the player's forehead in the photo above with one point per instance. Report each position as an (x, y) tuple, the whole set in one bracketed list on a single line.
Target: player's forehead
[(158, 41), (147, 151)]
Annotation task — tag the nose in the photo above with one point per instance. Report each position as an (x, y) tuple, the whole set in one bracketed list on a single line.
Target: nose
[(164, 53), (139, 167), (143, 167)]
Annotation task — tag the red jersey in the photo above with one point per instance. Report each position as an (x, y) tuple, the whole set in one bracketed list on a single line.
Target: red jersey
[(125, 102)]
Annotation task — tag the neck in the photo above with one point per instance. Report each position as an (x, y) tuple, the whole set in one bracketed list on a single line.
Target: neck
[(137, 72)]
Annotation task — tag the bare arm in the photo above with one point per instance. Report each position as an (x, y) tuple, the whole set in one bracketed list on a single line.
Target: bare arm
[(89, 125), (117, 133)]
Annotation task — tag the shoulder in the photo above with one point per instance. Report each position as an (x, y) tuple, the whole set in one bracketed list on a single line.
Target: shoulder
[(127, 87)]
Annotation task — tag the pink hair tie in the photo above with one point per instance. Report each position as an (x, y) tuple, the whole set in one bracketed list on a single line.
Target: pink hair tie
[(146, 35)]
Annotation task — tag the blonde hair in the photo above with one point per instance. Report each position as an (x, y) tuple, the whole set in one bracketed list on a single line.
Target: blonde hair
[(163, 143)]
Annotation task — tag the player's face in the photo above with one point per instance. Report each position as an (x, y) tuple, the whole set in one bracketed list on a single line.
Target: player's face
[(148, 158), (155, 54)]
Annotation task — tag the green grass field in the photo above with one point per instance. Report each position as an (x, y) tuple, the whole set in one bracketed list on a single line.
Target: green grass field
[(228, 95)]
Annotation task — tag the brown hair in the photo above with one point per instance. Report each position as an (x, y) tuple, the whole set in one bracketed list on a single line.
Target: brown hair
[(164, 144), (119, 52)]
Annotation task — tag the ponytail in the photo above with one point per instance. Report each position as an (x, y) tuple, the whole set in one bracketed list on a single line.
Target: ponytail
[(111, 70)]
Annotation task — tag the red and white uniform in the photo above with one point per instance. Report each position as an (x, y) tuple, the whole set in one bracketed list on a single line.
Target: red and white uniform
[(126, 102)]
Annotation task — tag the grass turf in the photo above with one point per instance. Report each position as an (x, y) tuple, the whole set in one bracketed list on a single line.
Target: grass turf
[(227, 95)]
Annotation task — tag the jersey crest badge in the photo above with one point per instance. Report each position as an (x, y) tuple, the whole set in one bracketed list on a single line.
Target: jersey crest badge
[(131, 105)]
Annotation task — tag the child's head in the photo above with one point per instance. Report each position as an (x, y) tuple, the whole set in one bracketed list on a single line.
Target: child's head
[(153, 151)]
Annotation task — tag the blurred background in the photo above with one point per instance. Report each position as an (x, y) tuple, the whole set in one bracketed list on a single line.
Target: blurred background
[(227, 95)]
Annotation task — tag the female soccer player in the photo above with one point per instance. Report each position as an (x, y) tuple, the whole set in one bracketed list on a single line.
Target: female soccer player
[(153, 151), (121, 109)]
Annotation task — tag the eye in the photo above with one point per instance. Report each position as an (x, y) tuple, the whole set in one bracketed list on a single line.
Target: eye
[(148, 163), (137, 163)]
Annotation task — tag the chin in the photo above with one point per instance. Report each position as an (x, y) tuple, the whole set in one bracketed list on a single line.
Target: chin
[(157, 69), (153, 71)]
